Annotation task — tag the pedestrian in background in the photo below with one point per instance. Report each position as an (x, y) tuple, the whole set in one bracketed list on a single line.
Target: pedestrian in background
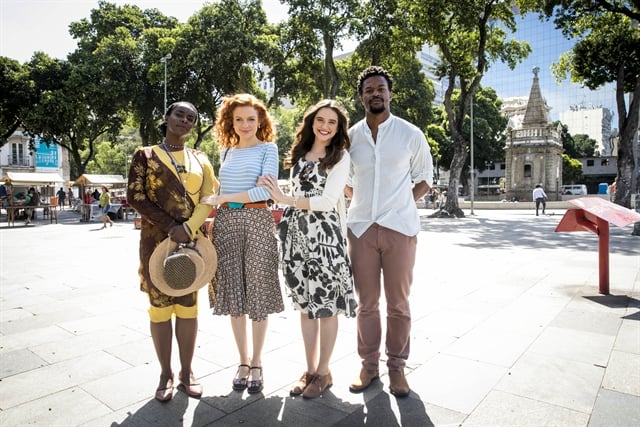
[(312, 231), (171, 186), (246, 283), (31, 200), (105, 205), (540, 197), (61, 195), (391, 168)]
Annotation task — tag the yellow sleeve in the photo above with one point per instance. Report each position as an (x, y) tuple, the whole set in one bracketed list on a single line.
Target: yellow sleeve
[(210, 187)]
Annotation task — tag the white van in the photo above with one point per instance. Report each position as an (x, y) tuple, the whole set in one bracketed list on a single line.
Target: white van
[(574, 190)]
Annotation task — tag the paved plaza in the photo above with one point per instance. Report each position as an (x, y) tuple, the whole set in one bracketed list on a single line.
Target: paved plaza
[(508, 330)]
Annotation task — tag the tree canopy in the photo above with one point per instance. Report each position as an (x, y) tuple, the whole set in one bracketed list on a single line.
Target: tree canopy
[(607, 50), (470, 36)]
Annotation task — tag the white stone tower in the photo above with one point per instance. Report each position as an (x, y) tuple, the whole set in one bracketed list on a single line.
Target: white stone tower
[(533, 153)]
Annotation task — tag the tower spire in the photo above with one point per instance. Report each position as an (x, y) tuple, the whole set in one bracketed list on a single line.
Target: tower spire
[(536, 113)]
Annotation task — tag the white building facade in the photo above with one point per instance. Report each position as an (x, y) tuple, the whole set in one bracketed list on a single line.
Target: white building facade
[(18, 156), (594, 122)]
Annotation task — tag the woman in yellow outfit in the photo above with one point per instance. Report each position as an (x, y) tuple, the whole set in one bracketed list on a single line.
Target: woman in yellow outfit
[(171, 186), (105, 204)]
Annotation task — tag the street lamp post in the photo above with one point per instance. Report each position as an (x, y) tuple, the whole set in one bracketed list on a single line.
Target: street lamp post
[(164, 60), (471, 186)]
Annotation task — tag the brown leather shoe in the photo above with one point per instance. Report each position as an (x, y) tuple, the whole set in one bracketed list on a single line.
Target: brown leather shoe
[(363, 380), (299, 386), (398, 385), (317, 386)]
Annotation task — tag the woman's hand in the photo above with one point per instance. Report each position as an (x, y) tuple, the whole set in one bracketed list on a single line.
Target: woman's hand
[(271, 184), (178, 234)]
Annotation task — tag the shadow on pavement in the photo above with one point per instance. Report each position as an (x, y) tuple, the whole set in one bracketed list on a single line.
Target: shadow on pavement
[(512, 232), (386, 410)]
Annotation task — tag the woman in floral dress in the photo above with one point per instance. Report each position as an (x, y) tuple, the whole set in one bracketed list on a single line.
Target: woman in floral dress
[(313, 234), (171, 187)]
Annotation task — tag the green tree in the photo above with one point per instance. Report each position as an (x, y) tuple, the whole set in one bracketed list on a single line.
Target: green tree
[(488, 132), (565, 136), (608, 50), (583, 146), (128, 43), (215, 55), (439, 141), (571, 170), (109, 159), (470, 35), (575, 146), (323, 23), (287, 121), (382, 40), (293, 61), (17, 96), (74, 108)]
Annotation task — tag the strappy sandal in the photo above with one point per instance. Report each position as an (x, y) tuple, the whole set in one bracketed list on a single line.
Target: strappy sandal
[(164, 394), (240, 383), (255, 386), (192, 389)]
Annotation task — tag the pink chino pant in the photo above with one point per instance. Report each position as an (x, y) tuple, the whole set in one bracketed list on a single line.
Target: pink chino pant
[(382, 250)]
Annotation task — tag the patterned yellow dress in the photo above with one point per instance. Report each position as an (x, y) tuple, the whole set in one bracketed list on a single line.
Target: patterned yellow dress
[(164, 196)]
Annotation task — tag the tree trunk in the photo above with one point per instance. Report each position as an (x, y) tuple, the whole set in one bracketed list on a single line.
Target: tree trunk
[(457, 164), (628, 125), (330, 73)]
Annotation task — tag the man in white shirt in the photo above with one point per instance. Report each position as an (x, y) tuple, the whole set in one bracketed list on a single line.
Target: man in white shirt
[(540, 197), (391, 167)]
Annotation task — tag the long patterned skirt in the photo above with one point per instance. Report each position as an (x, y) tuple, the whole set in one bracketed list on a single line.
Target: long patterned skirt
[(247, 280)]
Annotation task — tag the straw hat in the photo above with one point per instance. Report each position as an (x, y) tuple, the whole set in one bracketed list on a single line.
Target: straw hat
[(179, 269)]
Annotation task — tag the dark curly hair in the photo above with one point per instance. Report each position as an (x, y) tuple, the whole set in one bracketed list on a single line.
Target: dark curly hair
[(374, 70), (304, 136)]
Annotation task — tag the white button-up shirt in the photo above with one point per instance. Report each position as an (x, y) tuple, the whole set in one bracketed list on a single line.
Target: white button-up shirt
[(383, 173)]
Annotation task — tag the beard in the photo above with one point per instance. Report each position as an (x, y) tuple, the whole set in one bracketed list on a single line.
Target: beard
[(378, 109)]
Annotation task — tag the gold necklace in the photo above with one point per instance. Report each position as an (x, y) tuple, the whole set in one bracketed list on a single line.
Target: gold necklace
[(174, 147), (180, 168)]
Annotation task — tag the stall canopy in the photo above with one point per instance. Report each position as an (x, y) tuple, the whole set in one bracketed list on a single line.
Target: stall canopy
[(91, 179), (31, 178)]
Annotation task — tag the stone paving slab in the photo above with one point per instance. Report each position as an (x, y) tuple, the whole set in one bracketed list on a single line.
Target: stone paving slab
[(514, 334)]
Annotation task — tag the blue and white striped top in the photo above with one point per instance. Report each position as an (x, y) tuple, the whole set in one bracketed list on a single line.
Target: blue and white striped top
[(241, 168)]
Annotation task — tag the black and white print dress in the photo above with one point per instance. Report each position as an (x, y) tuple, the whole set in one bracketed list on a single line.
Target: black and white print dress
[(316, 264)]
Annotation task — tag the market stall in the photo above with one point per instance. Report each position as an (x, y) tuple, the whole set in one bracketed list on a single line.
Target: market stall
[(18, 183), (117, 185)]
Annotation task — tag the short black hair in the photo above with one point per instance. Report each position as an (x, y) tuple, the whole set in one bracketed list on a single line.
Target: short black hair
[(374, 70), (162, 127)]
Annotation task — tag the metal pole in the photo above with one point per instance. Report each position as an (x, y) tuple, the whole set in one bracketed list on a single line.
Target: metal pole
[(471, 186), (164, 60), (603, 256)]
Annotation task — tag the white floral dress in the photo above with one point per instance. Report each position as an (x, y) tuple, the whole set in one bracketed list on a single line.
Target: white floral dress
[(316, 264)]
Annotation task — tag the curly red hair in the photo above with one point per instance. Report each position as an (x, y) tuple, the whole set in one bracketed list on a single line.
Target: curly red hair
[(224, 123)]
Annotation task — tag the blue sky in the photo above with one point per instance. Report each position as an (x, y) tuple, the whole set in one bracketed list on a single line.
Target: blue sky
[(547, 45), (30, 25)]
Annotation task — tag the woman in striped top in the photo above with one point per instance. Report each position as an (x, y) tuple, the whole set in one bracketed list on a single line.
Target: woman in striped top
[(246, 282)]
